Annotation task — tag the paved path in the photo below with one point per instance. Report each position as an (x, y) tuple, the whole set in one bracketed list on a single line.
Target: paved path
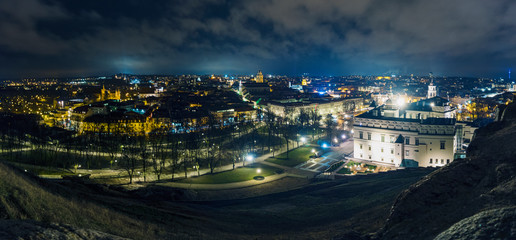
[(223, 186)]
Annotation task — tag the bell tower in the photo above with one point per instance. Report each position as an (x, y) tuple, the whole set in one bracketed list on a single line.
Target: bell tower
[(432, 90)]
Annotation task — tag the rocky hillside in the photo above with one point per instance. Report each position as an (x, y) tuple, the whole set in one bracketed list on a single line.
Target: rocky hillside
[(473, 198)]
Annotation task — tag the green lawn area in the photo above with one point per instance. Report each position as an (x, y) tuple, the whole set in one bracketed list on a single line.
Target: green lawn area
[(344, 171), (296, 156), (238, 175), (58, 159)]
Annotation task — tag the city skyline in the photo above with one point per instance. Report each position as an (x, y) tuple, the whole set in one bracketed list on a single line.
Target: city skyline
[(64, 39)]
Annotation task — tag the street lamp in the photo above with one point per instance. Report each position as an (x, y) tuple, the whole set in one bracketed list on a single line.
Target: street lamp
[(249, 158), (258, 170), (343, 136), (303, 140)]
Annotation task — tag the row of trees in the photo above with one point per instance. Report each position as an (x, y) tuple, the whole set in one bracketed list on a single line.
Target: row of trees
[(157, 153)]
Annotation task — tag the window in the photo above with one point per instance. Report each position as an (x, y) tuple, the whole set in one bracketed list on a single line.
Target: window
[(407, 140), (430, 161), (392, 160), (392, 138), (383, 138), (382, 159), (407, 153), (369, 156), (381, 150), (361, 155), (447, 161), (443, 143), (369, 147), (417, 141), (361, 135), (360, 146), (392, 151), (442, 161), (368, 136)]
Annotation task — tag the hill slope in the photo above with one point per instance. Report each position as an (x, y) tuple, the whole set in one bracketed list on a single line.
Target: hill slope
[(486, 180)]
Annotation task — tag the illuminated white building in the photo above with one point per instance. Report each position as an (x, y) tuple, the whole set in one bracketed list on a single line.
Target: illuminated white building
[(423, 134)]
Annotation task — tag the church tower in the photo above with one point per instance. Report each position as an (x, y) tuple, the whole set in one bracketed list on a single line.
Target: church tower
[(259, 77), (432, 90)]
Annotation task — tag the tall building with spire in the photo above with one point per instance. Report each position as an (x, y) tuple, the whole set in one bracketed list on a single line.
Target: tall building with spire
[(259, 77), (432, 90)]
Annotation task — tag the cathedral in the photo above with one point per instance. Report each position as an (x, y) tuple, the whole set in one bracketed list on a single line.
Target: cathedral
[(108, 95)]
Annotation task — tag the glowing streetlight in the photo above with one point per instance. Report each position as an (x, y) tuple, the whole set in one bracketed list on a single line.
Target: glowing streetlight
[(325, 145), (343, 136), (258, 170), (313, 150), (303, 140), (249, 158), (335, 140)]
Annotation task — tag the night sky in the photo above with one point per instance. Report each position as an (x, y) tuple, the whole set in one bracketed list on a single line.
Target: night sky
[(288, 37)]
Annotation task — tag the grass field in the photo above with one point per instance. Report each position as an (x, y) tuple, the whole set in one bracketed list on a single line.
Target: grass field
[(344, 171), (238, 175), (58, 159), (295, 157)]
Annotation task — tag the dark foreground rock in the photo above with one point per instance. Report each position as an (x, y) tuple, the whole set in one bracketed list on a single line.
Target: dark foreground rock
[(491, 224), (18, 229)]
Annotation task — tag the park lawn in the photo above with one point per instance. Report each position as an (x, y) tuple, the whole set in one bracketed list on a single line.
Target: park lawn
[(238, 175), (46, 158), (344, 171), (40, 170), (295, 157)]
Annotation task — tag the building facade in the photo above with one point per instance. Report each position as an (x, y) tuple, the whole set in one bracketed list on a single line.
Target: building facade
[(423, 134)]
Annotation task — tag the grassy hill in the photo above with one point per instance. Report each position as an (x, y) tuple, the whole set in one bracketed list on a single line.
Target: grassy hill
[(317, 210)]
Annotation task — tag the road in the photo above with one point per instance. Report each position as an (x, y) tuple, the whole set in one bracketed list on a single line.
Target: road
[(320, 164)]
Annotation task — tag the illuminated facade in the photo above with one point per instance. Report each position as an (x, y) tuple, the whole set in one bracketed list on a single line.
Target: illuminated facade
[(423, 134), (108, 95), (259, 77)]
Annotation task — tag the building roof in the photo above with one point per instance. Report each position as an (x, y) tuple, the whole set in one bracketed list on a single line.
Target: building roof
[(426, 105)]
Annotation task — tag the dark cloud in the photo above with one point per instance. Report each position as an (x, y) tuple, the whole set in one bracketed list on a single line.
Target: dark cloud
[(331, 37)]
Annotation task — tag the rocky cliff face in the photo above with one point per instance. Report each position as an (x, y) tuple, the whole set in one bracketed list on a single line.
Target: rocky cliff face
[(471, 190)]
